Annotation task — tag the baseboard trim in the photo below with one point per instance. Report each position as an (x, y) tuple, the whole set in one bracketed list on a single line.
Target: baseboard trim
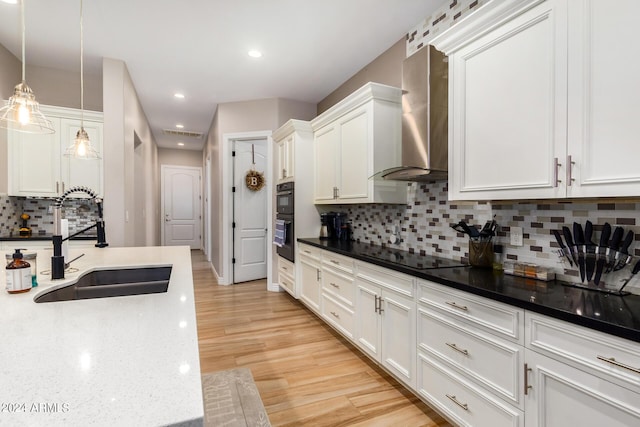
[(274, 287)]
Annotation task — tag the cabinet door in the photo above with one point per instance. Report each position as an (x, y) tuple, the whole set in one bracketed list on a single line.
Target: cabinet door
[(282, 162), (81, 172), (604, 98), (310, 286), (289, 158), (562, 396), (326, 163), (399, 336), (368, 320), (507, 120), (356, 152), (34, 163)]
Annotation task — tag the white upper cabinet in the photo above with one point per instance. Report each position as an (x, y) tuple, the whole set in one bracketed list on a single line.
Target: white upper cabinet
[(353, 140), (604, 98), (37, 165), (541, 101), (286, 159)]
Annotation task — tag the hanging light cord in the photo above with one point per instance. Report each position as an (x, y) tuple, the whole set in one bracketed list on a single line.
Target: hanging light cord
[(23, 37), (81, 71)]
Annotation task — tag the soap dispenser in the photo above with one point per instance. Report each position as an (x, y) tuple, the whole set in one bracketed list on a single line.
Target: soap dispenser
[(18, 274)]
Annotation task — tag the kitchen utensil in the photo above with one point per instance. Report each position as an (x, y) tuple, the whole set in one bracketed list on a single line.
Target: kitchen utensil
[(602, 251), (578, 235), (590, 251), (570, 244), (556, 233), (623, 257), (636, 268), (614, 245), (462, 227)]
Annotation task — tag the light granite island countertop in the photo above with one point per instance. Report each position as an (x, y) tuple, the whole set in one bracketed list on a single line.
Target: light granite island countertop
[(130, 360)]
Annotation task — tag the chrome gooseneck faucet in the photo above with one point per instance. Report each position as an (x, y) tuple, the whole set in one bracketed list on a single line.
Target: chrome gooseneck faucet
[(57, 260)]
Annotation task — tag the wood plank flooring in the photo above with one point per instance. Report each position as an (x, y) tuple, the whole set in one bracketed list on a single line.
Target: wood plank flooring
[(306, 373)]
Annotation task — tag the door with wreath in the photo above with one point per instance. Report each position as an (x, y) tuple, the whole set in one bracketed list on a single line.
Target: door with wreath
[(250, 211)]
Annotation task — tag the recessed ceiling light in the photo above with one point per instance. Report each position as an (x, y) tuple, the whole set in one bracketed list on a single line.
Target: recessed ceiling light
[(179, 126), (255, 53), (179, 95), (181, 144)]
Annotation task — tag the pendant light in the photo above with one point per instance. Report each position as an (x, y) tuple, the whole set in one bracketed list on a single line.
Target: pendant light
[(81, 147), (22, 112)]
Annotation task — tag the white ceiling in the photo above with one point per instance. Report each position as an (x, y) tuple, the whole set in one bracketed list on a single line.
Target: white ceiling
[(199, 47)]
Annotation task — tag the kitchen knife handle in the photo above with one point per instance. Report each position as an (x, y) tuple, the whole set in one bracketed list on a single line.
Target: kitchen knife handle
[(556, 233), (588, 233), (556, 166), (617, 237), (567, 236), (627, 242), (578, 234), (570, 164), (606, 233)]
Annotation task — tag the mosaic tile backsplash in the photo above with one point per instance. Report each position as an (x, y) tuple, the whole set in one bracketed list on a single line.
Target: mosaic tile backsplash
[(81, 213), (424, 226), (443, 18)]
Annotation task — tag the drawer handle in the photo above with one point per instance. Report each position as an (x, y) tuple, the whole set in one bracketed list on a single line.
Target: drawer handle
[(527, 386), (457, 402), (285, 268), (614, 362), (334, 261), (458, 349), (337, 316), (334, 285), (318, 274), (307, 252), (459, 307)]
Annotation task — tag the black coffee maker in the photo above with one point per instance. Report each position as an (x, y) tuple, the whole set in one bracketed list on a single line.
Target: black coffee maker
[(334, 226)]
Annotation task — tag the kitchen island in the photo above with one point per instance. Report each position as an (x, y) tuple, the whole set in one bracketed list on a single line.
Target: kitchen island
[(130, 360)]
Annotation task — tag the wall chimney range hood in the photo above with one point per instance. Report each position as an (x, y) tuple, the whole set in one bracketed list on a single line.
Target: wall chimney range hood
[(424, 119)]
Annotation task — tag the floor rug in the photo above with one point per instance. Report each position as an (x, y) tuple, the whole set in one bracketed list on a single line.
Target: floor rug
[(231, 399)]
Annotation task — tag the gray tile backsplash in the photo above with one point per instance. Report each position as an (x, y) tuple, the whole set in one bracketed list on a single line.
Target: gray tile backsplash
[(424, 226), (80, 212)]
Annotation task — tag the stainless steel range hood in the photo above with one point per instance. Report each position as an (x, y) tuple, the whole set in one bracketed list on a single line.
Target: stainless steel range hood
[(424, 119)]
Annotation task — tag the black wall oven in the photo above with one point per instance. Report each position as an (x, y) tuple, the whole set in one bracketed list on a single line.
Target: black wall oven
[(285, 217)]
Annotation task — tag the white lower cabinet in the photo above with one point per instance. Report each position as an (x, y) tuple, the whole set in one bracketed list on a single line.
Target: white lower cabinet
[(560, 395), (338, 293), (310, 276), (286, 276), (460, 400), (386, 319)]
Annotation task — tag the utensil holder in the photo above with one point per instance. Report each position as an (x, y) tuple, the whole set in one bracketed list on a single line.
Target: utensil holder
[(481, 253)]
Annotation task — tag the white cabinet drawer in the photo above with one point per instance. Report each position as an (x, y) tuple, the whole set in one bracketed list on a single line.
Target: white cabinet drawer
[(287, 267), (339, 285), (337, 315), (287, 283), (464, 403), (592, 351), (338, 262), (389, 279), (309, 251), (497, 318), (490, 361)]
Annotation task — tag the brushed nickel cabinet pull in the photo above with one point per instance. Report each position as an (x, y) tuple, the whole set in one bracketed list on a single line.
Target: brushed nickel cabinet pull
[(337, 193), (334, 285), (556, 166), (570, 164), (614, 362), (380, 301), (459, 307), (527, 386), (317, 274), (337, 316), (458, 349), (334, 261), (285, 268), (377, 304), (284, 173), (454, 400), (63, 186), (57, 187), (307, 252)]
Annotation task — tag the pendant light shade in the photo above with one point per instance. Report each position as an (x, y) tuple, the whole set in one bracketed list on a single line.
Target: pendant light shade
[(22, 112), (81, 147)]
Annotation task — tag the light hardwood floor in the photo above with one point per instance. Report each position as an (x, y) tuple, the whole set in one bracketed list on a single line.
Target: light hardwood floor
[(306, 373)]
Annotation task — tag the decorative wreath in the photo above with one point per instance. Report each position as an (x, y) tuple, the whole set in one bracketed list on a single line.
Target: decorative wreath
[(254, 180)]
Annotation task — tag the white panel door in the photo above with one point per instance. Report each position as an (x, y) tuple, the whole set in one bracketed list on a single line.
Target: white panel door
[(367, 318), (250, 214), (181, 205), (398, 335)]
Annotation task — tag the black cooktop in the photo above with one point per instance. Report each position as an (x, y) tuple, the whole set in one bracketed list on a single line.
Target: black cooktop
[(407, 259)]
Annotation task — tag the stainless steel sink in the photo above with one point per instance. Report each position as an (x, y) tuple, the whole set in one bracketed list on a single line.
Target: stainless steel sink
[(112, 283)]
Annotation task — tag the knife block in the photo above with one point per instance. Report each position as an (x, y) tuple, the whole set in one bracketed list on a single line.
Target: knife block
[(481, 254)]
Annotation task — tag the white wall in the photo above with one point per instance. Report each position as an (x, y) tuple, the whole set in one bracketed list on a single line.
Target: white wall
[(237, 117), (177, 157), (124, 118)]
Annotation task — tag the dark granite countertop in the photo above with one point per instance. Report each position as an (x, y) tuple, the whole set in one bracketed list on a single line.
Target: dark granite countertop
[(607, 313), (41, 237)]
